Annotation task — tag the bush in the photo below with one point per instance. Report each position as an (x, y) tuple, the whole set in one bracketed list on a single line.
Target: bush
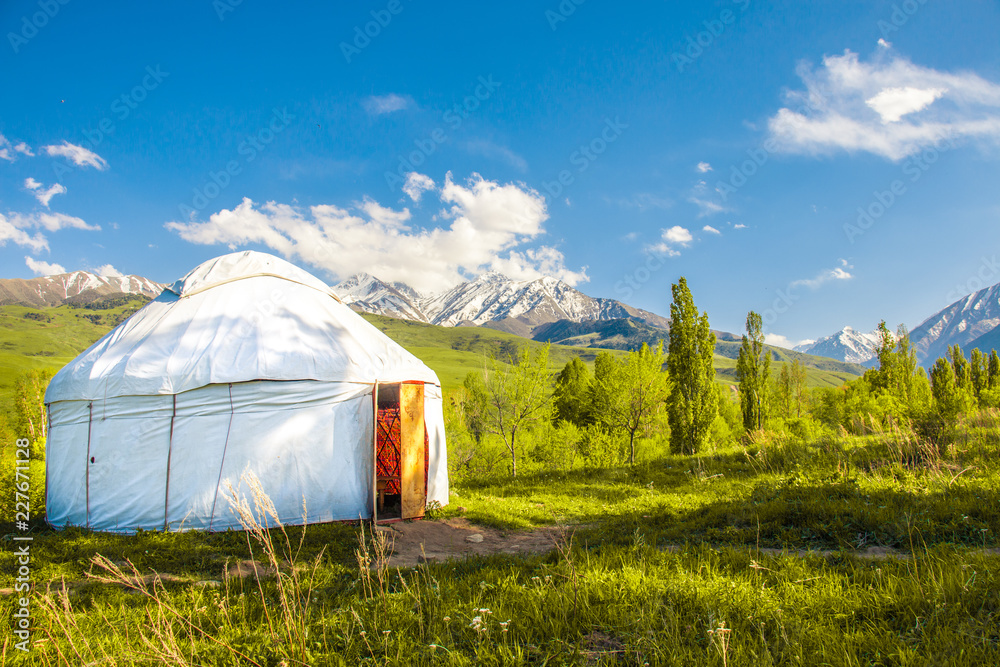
[(556, 447), (603, 449)]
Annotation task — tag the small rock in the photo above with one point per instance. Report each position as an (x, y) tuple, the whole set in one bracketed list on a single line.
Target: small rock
[(209, 583), (461, 509), (475, 538), (426, 559)]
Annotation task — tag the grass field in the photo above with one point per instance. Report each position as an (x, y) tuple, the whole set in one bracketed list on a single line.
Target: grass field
[(740, 556)]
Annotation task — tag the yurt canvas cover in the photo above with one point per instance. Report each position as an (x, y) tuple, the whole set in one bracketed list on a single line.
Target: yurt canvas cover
[(247, 364)]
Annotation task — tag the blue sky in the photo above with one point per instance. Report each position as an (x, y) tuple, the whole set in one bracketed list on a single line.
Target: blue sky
[(825, 164)]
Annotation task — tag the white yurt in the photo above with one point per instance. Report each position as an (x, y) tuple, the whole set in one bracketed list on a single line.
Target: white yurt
[(247, 364)]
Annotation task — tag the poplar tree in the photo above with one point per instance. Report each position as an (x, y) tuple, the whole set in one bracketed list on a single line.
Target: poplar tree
[(753, 372), (993, 370), (572, 392), (691, 407)]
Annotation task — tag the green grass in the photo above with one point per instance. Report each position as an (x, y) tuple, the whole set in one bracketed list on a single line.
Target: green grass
[(677, 560)]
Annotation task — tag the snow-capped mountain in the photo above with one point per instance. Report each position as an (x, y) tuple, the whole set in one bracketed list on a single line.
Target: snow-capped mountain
[(513, 305), (962, 323), (856, 347), (78, 285), (371, 295)]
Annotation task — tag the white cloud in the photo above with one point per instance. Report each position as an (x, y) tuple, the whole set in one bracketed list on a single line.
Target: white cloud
[(781, 341), (710, 229), (704, 167), (838, 273), (6, 147), (889, 107), (108, 271), (677, 234), (40, 268), (416, 184), (538, 262), (894, 103), (14, 227), (78, 155), (8, 232), (669, 240), (488, 223), (377, 105), (739, 225), (44, 195)]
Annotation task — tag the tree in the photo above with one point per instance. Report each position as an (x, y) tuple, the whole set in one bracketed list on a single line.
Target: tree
[(993, 370), (517, 395), (753, 371), (572, 392), (691, 407), (604, 367), (977, 372), (799, 390), (963, 378), (881, 379), (632, 391), (474, 405), (782, 399), (944, 386)]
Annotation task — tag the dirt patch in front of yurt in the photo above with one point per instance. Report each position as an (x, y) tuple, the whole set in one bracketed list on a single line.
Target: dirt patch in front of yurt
[(415, 542)]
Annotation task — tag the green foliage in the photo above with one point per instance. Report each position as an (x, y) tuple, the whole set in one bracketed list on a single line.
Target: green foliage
[(629, 393), (692, 402), (949, 398), (753, 371), (556, 446), (571, 397), (601, 448), (516, 395)]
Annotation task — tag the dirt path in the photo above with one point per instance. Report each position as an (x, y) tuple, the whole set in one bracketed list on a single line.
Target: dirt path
[(417, 541)]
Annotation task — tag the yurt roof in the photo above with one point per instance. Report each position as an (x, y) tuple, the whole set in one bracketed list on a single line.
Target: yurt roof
[(237, 318)]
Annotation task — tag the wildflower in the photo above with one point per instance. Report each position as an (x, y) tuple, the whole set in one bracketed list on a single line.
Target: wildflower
[(363, 633), (447, 618)]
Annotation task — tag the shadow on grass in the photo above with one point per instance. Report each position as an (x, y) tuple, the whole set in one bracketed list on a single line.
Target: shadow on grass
[(832, 515), (69, 551)]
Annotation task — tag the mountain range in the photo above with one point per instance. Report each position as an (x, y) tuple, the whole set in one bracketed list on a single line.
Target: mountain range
[(78, 286), (492, 300), (970, 322), (547, 309)]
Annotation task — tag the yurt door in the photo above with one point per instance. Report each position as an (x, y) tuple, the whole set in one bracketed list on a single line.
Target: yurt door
[(413, 490), (400, 451)]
